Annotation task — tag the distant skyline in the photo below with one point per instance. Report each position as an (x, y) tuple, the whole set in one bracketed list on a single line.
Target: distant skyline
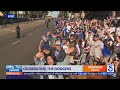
[(54, 14)]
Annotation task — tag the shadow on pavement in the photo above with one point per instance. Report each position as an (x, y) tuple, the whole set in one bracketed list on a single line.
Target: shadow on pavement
[(23, 36)]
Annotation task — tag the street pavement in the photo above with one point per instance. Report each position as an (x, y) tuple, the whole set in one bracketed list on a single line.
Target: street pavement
[(12, 28), (20, 51)]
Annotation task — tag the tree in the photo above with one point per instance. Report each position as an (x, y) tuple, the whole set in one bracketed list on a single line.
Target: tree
[(61, 14), (37, 14), (5, 12), (27, 14)]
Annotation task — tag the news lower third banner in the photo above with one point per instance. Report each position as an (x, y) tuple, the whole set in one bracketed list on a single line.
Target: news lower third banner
[(59, 69)]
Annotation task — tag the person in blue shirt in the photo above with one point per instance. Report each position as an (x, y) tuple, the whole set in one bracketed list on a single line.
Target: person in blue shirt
[(56, 22), (64, 32), (48, 34)]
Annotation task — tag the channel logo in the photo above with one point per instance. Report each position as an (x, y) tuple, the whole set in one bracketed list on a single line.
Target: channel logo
[(13, 68), (10, 16), (110, 68)]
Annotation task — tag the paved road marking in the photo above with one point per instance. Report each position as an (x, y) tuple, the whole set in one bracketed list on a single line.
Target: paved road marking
[(13, 30), (16, 42), (29, 34), (32, 26), (10, 30)]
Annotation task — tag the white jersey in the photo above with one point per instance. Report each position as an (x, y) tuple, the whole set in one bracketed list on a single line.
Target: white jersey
[(68, 28), (96, 48), (118, 31)]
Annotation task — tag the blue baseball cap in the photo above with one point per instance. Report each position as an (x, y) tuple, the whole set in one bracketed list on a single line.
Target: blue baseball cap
[(96, 35), (46, 47)]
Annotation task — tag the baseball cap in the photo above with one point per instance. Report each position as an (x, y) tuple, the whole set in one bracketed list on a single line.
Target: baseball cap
[(94, 31), (96, 35), (95, 61), (57, 43), (46, 47), (72, 35)]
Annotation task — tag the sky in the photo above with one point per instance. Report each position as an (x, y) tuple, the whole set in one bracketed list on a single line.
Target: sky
[(54, 14)]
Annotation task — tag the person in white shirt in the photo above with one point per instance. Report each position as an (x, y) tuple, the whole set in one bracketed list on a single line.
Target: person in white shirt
[(90, 35), (64, 46), (86, 35), (96, 48), (68, 28), (117, 45)]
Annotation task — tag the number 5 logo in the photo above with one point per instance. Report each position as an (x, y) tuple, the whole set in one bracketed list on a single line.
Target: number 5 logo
[(110, 68)]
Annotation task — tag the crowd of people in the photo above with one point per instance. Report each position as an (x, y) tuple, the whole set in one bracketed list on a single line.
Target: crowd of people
[(80, 42)]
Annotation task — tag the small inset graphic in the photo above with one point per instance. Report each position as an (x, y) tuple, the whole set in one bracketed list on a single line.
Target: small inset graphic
[(13, 68), (110, 68)]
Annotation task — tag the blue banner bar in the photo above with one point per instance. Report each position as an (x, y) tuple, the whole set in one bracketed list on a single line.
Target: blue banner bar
[(10, 16)]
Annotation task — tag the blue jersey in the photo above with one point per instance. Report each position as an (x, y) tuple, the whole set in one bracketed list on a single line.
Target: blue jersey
[(49, 37)]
